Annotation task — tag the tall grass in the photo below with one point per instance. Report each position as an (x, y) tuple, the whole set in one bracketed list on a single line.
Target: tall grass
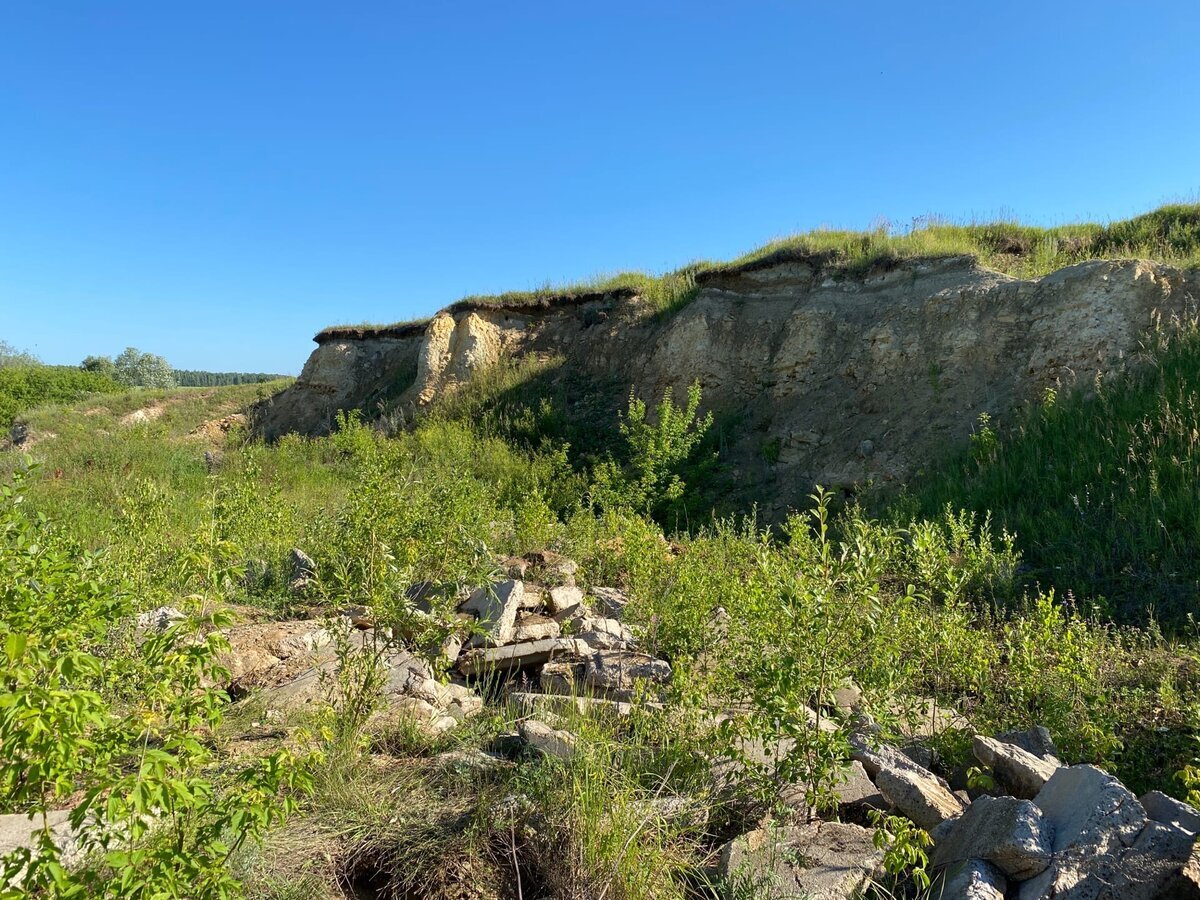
[(1102, 486)]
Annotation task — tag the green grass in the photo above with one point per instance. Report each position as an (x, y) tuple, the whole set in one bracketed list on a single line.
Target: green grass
[(806, 609), (1101, 486), (1170, 234)]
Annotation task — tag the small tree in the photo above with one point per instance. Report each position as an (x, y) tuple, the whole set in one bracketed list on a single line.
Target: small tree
[(656, 453), (137, 369), (11, 356), (101, 365)]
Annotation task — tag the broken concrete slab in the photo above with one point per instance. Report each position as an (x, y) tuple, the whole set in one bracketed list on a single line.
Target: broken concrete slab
[(495, 606), (1009, 833), (547, 740), (825, 860), (532, 627), (1016, 771), (609, 602), (514, 657), (617, 673)]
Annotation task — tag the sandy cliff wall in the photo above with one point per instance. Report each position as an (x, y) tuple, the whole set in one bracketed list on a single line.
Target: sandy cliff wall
[(823, 380)]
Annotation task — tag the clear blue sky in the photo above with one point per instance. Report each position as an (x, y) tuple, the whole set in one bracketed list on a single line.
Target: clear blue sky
[(216, 181)]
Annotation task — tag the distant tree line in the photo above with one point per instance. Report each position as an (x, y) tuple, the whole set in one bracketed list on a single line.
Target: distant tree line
[(137, 369), (197, 378), (26, 382)]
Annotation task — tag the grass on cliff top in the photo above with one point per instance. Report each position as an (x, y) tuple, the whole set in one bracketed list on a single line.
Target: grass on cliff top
[(1170, 234)]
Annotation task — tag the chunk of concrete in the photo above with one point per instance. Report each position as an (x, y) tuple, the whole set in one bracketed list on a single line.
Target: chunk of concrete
[(1036, 740), (609, 602), (547, 740), (514, 657), (972, 879), (603, 634), (616, 673), (1093, 819), (564, 598), (1005, 831), (531, 627), (1017, 771), (825, 860), (920, 795), (1160, 807), (495, 606)]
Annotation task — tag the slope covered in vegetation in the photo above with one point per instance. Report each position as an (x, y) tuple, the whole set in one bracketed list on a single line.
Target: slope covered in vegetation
[(1100, 485), (908, 608)]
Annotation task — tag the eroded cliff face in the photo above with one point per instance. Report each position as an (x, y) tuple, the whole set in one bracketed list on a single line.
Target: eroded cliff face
[(349, 370), (831, 381)]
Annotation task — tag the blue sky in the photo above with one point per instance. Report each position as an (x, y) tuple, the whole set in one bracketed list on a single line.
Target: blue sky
[(217, 181)]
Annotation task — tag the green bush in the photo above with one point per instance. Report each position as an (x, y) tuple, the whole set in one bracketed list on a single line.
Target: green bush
[(24, 387), (89, 709)]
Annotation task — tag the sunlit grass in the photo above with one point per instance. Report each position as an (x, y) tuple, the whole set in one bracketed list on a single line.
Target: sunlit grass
[(1170, 234)]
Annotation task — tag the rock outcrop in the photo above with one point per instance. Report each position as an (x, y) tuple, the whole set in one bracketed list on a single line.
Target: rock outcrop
[(833, 380)]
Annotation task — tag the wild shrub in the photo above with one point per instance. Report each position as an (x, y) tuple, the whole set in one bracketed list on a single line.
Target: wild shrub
[(23, 387), (655, 453), (89, 708)]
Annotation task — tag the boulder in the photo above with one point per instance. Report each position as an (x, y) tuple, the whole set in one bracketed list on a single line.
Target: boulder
[(1093, 819), (1035, 740), (921, 797), (514, 657), (495, 607), (532, 627), (547, 740), (1156, 859), (616, 673), (876, 757), (821, 861), (609, 602), (564, 599), (303, 571), (972, 879), (1017, 771), (1005, 831), (911, 788), (1161, 808)]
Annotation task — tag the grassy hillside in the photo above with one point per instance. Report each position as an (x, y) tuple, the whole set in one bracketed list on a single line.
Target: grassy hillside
[(191, 515), (1101, 486), (1170, 234)]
